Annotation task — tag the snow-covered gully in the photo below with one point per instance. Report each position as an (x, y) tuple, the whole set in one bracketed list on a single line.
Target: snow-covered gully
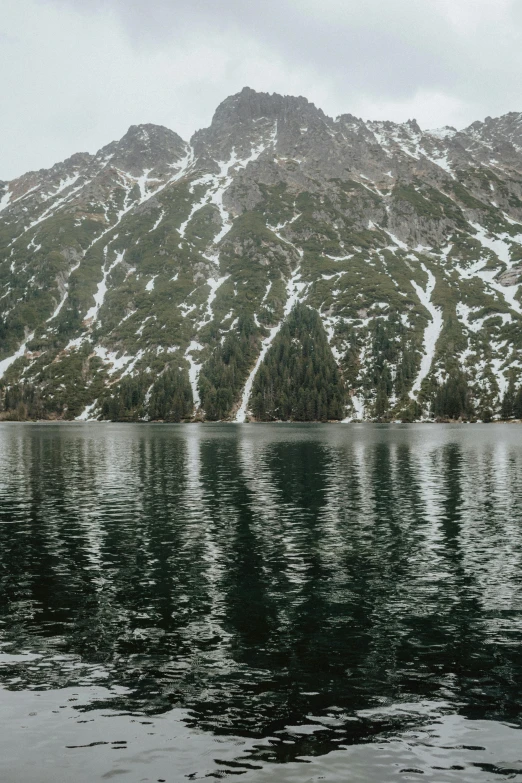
[(64, 295), (99, 297), (195, 367), (432, 331), (501, 248), (213, 284), (6, 363), (218, 184), (294, 288), (194, 370)]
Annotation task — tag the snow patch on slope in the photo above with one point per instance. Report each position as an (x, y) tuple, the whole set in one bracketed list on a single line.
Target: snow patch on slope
[(213, 284), (293, 290), (6, 363), (158, 221), (64, 295), (357, 401), (218, 184), (86, 414), (99, 296), (501, 249), (432, 331), (5, 200), (194, 370)]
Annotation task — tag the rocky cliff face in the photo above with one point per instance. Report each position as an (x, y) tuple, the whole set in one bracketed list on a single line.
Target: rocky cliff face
[(153, 279)]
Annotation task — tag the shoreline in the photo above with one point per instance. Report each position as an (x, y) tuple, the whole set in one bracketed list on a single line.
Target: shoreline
[(393, 422)]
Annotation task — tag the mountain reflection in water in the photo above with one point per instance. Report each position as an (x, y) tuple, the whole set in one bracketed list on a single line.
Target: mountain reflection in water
[(288, 590)]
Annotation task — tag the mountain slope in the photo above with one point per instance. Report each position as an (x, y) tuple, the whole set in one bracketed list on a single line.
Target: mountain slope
[(157, 266)]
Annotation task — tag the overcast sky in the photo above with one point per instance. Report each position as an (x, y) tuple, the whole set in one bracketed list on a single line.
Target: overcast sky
[(74, 74)]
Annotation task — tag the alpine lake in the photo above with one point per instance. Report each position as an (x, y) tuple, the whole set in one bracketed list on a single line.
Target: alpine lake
[(285, 603)]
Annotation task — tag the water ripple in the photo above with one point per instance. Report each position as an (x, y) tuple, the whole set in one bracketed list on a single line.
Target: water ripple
[(341, 600)]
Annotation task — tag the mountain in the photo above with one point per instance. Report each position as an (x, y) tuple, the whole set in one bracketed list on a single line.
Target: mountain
[(281, 265)]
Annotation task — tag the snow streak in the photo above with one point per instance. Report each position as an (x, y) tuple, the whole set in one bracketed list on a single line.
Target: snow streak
[(432, 331), (64, 296), (218, 184), (6, 363), (194, 371), (99, 296), (294, 288)]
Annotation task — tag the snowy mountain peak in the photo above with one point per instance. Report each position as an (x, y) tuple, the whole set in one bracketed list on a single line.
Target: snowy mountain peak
[(159, 279), (143, 147)]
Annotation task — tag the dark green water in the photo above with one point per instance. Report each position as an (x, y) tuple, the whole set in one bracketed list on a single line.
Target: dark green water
[(293, 603)]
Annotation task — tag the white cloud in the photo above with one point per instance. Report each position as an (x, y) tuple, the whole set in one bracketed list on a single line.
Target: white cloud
[(424, 106)]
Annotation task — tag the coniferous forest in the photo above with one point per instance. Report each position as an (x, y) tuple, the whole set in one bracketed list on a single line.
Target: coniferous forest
[(299, 379), (225, 373)]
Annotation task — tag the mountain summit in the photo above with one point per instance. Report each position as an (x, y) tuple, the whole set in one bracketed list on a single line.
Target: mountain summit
[(280, 265)]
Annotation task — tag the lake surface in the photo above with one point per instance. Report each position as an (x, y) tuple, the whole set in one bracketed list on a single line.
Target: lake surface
[(260, 602)]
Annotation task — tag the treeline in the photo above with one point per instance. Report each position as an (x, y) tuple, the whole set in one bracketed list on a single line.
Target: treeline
[(132, 398), (125, 399), (223, 376), (299, 379), (22, 402), (454, 400), (390, 346), (512, 402), (169, 399)]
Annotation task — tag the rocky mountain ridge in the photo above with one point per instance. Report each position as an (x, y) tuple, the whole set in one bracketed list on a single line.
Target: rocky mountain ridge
[(164, 279)]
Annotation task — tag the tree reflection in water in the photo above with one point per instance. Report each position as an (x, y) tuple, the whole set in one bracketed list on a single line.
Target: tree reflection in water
[(266, 577)]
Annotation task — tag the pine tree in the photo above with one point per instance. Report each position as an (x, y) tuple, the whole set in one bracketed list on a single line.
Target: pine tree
[(171, 397), (225, 373), (126, 399), (508, 400), (517, 404), (453, 398), (23, 401)]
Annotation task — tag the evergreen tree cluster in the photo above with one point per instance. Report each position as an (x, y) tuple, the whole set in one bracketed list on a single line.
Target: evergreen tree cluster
[(453, 398), (512, 402), (391, 348), (170, 398), (126, 399), (299, 379), (22, 401), (225, 373)]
